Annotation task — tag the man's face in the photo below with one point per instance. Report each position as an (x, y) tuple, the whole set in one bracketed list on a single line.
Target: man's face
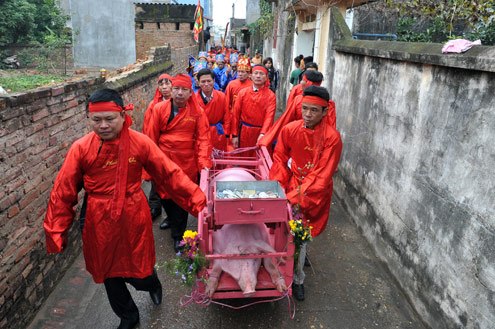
[(107, 125), (180, 96), (165, 88), (312, 114), (233, 67), (242, 75), (220, 64), (206, 83), (259, 78)]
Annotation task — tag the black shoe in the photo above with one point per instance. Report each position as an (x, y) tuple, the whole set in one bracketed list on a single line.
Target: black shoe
[(306, 262), (128, 324), (177, 246), (165, 224), (156, 295), (298, 291), (155, 213)]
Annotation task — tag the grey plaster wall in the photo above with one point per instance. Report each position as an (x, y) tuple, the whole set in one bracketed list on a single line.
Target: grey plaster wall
[(417, 171), (104, 34)]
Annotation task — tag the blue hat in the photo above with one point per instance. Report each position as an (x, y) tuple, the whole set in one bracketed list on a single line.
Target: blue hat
[(220, 57), (199, 66), (203, 54), (234, 58), (192, 60)]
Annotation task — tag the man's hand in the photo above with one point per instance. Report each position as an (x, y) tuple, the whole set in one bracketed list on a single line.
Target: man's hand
[(260, 137)]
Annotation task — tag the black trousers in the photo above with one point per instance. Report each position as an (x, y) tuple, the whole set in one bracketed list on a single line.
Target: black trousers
[(154, 198), (177, 217), (120, 298)]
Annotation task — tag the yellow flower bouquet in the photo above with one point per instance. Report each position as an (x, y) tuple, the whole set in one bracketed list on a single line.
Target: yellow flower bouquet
[(300, 229), (189, 261)]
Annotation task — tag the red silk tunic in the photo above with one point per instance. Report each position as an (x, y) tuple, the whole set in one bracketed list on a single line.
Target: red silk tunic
[(308, 182), (293, 113), (149, 114), (123, 247), (253, 114), (295, 91), (233, 89), (218, 114), (186, 139)]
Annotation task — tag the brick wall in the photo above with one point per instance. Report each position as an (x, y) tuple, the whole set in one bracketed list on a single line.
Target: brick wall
[(150, 35), (36, 131)]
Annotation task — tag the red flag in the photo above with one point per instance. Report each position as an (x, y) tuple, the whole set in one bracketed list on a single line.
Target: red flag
[(198, 22)]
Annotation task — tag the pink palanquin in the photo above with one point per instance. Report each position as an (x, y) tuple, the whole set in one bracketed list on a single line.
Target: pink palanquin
[(275, 213)]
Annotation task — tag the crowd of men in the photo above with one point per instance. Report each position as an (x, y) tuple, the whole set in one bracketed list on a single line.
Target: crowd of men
[(223, 104)]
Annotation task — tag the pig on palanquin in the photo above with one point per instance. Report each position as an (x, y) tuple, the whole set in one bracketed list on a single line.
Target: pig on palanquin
[(242, 239)]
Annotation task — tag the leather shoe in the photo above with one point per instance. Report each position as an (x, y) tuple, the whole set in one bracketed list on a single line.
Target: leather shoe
[(128, 323), (298, 291), (177, 246), (156, 295), (165, 224), (155, 212)]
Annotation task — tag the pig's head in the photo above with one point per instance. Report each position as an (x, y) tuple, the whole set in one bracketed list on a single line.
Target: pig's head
[(248, 275)]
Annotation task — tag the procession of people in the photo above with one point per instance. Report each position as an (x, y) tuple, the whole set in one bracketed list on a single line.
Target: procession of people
[(223, 101)]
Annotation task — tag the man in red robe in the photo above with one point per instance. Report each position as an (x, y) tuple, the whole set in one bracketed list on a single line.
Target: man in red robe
[(214, 104), (242, 81), (162, 93), (299, 88), (293, 111), (117, 233), (235, 86), (304, 161), (180, 129), (254, 111)]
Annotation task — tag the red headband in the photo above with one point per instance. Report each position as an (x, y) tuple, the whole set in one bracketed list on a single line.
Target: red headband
[(309, 82), (164, 76), (315, 100), (182, 80), (259, 68)]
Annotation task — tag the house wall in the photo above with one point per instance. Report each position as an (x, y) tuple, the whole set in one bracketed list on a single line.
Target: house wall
[(417, 172), (103, 33), (37, 128), (150, 35)]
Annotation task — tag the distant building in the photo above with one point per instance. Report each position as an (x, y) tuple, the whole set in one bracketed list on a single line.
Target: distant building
[(112, 33)]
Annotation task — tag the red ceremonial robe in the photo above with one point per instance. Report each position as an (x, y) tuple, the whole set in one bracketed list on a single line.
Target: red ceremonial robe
[(253, 115), (295, 91), (186, 139), (233, 89), (218, 114), (315, 155), (293, 113), (123, 247), (149, 114)]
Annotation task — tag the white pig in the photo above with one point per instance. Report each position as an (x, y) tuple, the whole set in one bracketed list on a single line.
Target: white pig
[(241, 239)]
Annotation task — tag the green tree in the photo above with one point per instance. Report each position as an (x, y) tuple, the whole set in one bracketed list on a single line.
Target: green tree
[(449, 19), (30, 21)]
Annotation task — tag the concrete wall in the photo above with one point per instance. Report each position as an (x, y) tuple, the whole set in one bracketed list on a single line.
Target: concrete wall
[(103, 33), (36, 130), (417, 172), (252, 11)]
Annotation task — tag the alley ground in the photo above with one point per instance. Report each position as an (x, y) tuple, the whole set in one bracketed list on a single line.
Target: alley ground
[(346, 288)]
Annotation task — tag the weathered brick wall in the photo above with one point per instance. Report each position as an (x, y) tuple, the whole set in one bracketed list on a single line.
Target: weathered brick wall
[(36, 130), (180, 58), (158, 34)]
